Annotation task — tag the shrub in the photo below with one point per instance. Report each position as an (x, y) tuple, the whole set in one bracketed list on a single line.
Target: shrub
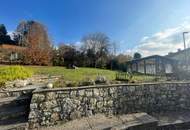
[(124, 76), (87, 82), (101, 80), (8, 73), (71, 84), (2, 83), (62, 83), (59, 83)]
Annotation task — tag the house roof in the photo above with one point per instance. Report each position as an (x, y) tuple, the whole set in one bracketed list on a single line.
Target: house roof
[(177, 53), (150, 57)]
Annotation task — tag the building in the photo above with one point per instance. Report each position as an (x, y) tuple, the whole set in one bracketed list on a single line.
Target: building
[(155, 65), (183, 58), (10, 54)]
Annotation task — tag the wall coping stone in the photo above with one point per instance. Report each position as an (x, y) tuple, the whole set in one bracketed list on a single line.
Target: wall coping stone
[(40, 90), (27, 88)]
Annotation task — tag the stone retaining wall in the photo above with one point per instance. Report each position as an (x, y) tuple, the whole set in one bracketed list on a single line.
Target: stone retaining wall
[(49, 106)]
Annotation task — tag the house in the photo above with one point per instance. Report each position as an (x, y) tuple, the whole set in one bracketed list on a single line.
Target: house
[(161, 64), (155, 65), (10, 53), (183, 58)]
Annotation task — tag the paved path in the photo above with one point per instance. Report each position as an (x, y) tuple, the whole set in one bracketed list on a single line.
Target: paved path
[(173, 120), (100, 122)]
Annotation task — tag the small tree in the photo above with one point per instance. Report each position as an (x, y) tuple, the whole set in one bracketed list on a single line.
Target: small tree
[(137, 56), (34, 36), (120, 61)]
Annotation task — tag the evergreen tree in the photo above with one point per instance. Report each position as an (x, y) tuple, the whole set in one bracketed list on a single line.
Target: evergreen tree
[(3, 30), (4, 38)]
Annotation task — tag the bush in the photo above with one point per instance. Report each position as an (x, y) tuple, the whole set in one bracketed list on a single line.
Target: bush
[(9, 73), (60, 83), (124, 76), (2, 83), (101, 80), (87, 82), (71, 84)]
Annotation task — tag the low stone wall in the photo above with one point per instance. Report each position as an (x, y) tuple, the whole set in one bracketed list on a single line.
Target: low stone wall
[(48, 106)]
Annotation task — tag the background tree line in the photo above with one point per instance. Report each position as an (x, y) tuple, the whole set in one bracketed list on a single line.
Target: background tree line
[(96, 49)]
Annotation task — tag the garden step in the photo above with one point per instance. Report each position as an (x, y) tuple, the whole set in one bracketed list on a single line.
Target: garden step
[(11, 121), (16, 126), (11, 99), (9, 113), (11, 102)]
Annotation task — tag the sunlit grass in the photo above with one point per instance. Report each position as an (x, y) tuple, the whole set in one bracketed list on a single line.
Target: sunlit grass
[(73, 74), (143, 78), (8, 73)]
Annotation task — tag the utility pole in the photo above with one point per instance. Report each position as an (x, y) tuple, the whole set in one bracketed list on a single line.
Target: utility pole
[(186, 62), (184, 39)]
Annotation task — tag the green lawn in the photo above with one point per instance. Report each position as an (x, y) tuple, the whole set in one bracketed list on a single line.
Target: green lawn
[(73, 74), (82, 73), (143, 78), (21, 72)]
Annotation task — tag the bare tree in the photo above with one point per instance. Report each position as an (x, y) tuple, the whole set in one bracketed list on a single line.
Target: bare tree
[(96, 47)]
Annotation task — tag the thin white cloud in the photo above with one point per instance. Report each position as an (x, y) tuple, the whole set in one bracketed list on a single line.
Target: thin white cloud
[(144, 38), (161, 43), (78, 45), (10, 33)]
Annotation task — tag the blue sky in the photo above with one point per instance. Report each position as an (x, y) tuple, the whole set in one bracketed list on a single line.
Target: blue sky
[(147, 26)]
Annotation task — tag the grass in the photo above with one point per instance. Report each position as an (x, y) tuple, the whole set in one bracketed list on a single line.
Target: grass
[(83, 73), (73, 74), (143, 78), (8, 73)]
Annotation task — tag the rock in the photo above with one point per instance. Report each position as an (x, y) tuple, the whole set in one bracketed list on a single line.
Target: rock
[(37, 98), (89, 93), (100, 105), (57, 109), (50, 96), (48, 105), (101, 80), (93, 102), (49, 85), (55, 117), (89, 113), (87, 82), (95, 92), (110, 103), (68, 105), (20, 83), (33, 106), (75, 115), (9, 84), (33, 115), (33, 125), (80, 93)]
